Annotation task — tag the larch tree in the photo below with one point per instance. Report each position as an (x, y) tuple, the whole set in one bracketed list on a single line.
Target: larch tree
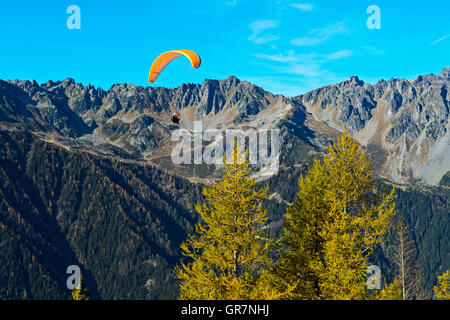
[(404, 259), (80, 292), (332, 226), (229, 250), (392, 291), (442, 291)]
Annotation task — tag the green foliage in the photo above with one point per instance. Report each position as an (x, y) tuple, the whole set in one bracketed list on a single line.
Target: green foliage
[(122, 223), (426, 212)]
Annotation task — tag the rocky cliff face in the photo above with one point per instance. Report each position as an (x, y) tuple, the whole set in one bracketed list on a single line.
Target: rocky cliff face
[(403, 123), (407, 119)]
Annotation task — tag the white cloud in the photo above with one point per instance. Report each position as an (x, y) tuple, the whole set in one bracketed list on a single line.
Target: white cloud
[(439, 40), (340, 54), (264, 39), (260, 26), (290, 57), (303, 6), (310, 67), (318, 36), (301, 69)]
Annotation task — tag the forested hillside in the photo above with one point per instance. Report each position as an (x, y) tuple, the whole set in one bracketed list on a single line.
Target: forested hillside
[(426, 211), (121, 223)]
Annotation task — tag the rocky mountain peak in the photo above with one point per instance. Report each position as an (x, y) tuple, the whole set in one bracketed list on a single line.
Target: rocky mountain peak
[(226, 83), (68, 82), (445, 73), (406, 119), (232, 80), (354, 81), (409, 120)]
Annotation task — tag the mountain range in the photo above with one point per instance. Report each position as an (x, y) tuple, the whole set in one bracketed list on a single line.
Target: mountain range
[(87, 176), (402, 123)]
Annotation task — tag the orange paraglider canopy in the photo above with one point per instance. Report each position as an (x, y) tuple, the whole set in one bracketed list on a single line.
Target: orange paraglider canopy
[(164, 59)]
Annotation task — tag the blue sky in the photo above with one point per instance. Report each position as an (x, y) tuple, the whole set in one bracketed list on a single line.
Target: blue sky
[(287, 47)]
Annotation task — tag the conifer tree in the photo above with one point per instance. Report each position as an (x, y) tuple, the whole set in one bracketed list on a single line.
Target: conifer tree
[(230, 249), (393, 291), (442, 291), (80, 292), (404, 258), (331, 227)]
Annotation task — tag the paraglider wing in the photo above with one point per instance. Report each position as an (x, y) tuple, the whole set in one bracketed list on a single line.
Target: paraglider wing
[(164, 59)]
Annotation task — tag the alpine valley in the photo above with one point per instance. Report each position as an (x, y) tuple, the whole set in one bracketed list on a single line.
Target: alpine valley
[(87, 177)]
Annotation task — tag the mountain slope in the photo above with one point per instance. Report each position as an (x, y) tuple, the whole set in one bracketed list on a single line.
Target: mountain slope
[(87, 178), (403, 123), (408, 121), (121, 223)]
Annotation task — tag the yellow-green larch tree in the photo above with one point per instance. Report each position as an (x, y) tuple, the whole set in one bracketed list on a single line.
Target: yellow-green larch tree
[(442, 291), (229, 251), (331, 227), (80, 292)]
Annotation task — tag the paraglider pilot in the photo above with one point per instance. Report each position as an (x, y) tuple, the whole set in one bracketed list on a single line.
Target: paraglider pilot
[(176, 118)]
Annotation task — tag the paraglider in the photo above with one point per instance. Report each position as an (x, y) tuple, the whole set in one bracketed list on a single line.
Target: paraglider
[(176, 118), (164, 59)]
